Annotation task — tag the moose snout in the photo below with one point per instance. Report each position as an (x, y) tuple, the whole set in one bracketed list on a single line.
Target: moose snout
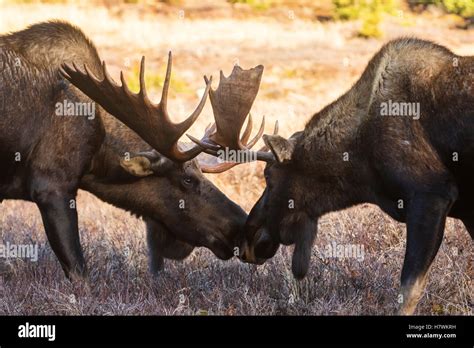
[(260, 248), (247, 255)]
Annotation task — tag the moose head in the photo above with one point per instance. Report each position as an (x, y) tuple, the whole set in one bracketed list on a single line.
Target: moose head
[(165, 184)]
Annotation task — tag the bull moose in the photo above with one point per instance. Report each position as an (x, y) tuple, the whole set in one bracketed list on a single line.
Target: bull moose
[(127, 155), (416, 165)]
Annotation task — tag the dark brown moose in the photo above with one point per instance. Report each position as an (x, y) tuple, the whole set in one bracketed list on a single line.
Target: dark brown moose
[(127, 153), (401, 138)]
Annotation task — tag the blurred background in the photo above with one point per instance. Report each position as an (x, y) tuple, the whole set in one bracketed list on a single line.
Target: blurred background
[(313, 51)]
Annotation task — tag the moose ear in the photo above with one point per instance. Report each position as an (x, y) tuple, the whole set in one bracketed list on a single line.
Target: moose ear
[(139, 166), (281, 148)]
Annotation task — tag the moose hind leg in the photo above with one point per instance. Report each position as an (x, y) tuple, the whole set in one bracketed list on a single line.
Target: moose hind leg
[(60, 224), (426, 218)]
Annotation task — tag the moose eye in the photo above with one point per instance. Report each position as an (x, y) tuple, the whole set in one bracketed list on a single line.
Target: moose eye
[(187, 181)]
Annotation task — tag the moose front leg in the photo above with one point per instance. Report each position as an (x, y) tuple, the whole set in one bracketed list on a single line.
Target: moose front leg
[(161, 244), (426, 218), (60, 223)]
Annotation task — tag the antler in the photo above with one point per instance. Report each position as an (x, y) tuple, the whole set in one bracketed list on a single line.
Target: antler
[(150, 121), (231, 103), (210, 163)]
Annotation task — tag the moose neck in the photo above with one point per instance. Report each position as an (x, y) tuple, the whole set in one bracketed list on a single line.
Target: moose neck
[(119, 141), (333, 130), (329, 149), (107, 179), (123, 194)]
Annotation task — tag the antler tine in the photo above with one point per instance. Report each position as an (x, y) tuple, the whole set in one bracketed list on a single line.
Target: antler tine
[(90, 74), (125, 88), (149, 121), (247, 131), (107, 78), (182, 127), (166, 84), (219, 167), (264, 148), (206, 146), (222, 167), (143, 92), (263, 153), (259, 134), (192, 118)]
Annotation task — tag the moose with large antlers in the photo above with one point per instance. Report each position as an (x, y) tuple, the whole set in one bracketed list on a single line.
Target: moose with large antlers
[(128, 155), (417, 167)]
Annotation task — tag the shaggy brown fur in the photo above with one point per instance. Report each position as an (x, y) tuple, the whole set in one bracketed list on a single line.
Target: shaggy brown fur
[(416, 166), (47, 158)]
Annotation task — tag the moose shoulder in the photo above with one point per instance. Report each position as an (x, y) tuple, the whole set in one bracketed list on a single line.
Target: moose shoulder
[(402, 138), (126, 151)]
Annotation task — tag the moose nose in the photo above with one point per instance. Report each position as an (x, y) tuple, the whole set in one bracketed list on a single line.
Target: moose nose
[(248, 252), (263, 246), (246, 255)]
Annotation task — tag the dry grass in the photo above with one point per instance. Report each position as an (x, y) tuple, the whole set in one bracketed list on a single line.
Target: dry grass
[(307, 65), (114, 244)]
